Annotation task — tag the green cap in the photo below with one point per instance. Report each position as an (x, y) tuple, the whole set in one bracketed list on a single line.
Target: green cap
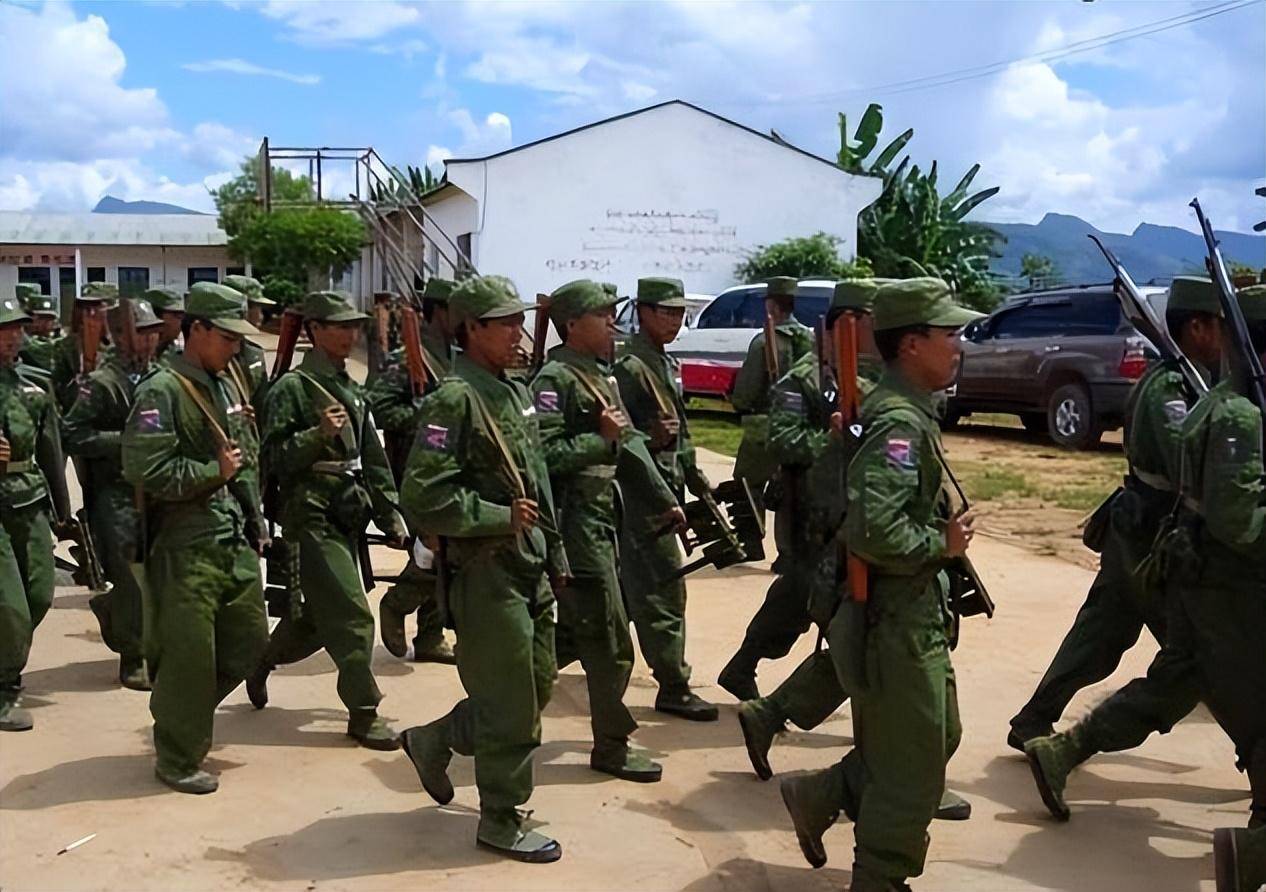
[(166, 300), (438, 290), (1195, 294), (143, 315), (11, 311), (331, 306), (856, 294), (385, 297), (251, 287), (921, 301), (95, 292), (26, 290), (575, 299), (661, 292), (485, 297), (781, 286), (610, 288), (222, 306), (41, 305), (1253, 303)]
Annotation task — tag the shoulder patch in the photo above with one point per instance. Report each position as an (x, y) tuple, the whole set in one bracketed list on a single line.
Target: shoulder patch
[(148, 421), (434, 437), (900, 453), (547, 401), (1176, 411)]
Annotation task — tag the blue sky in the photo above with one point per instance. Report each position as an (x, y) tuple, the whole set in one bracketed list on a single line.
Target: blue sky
[(160, 100)]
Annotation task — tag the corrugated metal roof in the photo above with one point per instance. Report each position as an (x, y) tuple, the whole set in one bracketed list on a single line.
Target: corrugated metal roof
[(171, 230)]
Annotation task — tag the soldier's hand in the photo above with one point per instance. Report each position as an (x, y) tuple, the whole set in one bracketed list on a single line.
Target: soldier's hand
[(230, 458), (958, 534), (262, 543), (664, 432), (524, 514), (673, 520), (611, 423), (248, 412), (837, 423), (558, 582), (6, 451), (333, 420)]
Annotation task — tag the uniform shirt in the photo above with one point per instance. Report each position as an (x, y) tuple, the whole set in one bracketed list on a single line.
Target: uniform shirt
[(458, 483), (650, 386), (249, 372), (394, 404), (171, 452), (37, 351), (94, 426), (752, 385), (1153, 427), (583, 467), (28, 420)]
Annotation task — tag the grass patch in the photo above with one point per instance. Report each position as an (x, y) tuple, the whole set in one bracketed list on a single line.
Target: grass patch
[(715, 431), (1079, 498), (983, 483)]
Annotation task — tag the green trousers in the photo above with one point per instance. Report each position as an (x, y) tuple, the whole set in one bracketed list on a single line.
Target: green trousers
[(810, 694), (1251, 860), (593, 628), (116, 528), (335, 614), (414, 590), (503, 614), (656, 605), (26, 585), (209, 630)]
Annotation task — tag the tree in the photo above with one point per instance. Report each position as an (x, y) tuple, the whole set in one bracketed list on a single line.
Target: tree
[(812, 257), (1039, 269), (237, 201), (420, 180)]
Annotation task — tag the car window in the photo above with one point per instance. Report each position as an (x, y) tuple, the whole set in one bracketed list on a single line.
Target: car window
[(720, 313), (751, 312), (810, 308), (1089, 314)]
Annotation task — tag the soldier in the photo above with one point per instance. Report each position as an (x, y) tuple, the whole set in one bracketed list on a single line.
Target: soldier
[(477, 478), (68, 351), (94, 433), (900, 522), (206, 627), (42, 331), (396, 408), (32, 497), (248, 369), (1239, 859), (783, 617), (1214, 563), (1118, 605), (650, 390), (169, 304), (589, 445), (320, 442)]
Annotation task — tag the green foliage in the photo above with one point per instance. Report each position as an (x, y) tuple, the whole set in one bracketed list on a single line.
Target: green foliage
[(812, 257), (295, 243), (238, 201), (1039, 269), (286, 292), (420, 180)]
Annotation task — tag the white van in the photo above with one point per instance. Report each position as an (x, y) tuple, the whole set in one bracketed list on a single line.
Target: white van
[(726, 326)]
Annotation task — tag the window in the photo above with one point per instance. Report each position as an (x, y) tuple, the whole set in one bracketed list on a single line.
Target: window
[(1079, 315), (720, 313), (203, 274), (235, 270), (810, 308), (133, 280), (463, 248), (37, 275), (66, 282), (96, 274), (751, 312), (1092, 314)]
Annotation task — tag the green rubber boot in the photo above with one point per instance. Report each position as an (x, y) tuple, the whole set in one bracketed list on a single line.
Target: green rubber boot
[(196, 782), (814, 807), (371, 732), (760, 726), (953, 807), (391, 629), (501, 831), (427, 748), (12, 717), (1051, 760), (627, 764)]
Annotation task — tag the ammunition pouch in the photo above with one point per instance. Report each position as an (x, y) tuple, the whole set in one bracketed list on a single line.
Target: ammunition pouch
[(282, 593), (1095, 533)]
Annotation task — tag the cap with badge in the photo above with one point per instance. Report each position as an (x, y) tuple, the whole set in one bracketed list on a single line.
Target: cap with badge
[(575, 299), (1193, 294), (11, 311), (438, 290), (922, 301), (165, 300), (856, 294), (143, 315), (1253, 302), (332, 307), (38, 303), (99, 292), (251, 287), (781, 286), (485, 297), (220, 305), (661, 292)]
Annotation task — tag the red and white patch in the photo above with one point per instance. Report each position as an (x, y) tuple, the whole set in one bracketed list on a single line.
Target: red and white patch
[(900, 453)]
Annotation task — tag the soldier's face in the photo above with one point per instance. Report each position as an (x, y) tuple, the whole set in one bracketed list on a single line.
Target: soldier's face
[(171, 326), (932, 359), (145, 343), (496, 340), (336, 339), (661, 324), (216, 347), (593, 333), (43, 325), (10, 342)]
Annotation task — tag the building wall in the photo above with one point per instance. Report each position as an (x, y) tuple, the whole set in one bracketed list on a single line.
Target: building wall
[(167, 266), (670, 192)]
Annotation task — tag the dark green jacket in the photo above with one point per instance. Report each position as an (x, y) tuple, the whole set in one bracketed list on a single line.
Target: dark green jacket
[(752, 385), (28, 420), (94, 426), (38, 351), (394, 405)]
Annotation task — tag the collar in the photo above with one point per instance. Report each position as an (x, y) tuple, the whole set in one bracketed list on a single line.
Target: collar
[(476, 374), (316, 363), (896, 382), (569, 356), (182, 366)]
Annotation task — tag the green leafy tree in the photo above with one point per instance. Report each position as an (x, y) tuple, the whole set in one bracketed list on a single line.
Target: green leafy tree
[(1039, 269), (238, 201), (300, 244), (420, 180), (811, 257)]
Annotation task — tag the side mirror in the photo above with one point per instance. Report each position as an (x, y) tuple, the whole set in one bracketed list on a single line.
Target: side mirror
[(972, 331)]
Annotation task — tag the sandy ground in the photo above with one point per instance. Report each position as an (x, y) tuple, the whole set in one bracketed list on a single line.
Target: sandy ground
[(300, 807)]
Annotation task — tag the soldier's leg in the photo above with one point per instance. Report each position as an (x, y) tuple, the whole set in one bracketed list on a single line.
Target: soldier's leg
[(15, 630), (402, 598), (810, 694), (241, 626), (657, 607), (119, 526)]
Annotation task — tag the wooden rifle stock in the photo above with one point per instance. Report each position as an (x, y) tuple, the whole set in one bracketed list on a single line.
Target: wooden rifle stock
[(291, 327), (771, 350), (540, 331), (382, 329), (415, 362), (91, 326), (849, 404)]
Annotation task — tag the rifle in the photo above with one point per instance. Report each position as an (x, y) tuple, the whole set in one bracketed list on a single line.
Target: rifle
[(1142, 315), (771, 350), (90, 328), (709, 527), (849, 405), (420, 373), (382, 331), (540, 331), (291, 328), (1244, 363), (93, 572)]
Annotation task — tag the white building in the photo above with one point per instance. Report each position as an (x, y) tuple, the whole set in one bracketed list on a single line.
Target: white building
[(670, 190), (61, 252)]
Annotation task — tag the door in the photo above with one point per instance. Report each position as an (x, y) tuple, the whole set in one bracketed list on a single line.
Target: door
[(133, 280)]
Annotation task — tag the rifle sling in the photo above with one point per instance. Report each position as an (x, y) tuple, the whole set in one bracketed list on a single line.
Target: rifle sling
[(516, 476), (201, 402)]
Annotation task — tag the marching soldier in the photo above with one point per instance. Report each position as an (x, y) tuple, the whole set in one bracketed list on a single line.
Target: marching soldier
[(32, 497), (169, 304), (94, 433), (589, 445), (395, 407), (1239, 859), (650, 390), (91, 305), (42, 330), (181, 449), (320, 443), (248, 368), (900, 522)]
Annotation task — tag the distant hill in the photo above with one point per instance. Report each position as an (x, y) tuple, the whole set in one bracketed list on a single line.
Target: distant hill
[(1150, 252), (112, 205)]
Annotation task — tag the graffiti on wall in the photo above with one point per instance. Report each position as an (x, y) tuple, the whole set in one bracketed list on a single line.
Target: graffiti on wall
[(670, 241)]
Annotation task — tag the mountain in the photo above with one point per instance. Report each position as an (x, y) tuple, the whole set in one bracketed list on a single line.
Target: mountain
[(112, 205), (1150, 252)]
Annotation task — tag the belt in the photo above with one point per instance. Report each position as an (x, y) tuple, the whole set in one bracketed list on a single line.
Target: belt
[(337, 467), (16, 467), (1155, 481), (602, 472)]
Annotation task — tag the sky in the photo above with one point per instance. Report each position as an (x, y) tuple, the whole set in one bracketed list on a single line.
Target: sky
[(162, 100)]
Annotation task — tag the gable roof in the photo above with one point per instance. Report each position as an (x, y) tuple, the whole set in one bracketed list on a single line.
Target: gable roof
[(703, 111)]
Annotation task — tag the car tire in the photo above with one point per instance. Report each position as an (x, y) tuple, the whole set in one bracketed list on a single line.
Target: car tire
[(1070, 418)]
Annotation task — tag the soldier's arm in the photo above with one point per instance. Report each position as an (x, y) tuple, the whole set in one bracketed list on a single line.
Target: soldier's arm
[(291, 438), (49, 456), (82, 436), (379, 480), (434, 495), (1168, 412), (750, 384), (151, 451), (636, 469), (883, 480), (391, 398), (635, 393), (558, 411), (1234, 500), (793, 437)]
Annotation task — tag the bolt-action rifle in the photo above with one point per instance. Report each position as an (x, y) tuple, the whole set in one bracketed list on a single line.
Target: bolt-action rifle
[(287, 338), (91, 328), (420, 372), (849, 405), (540, 331)]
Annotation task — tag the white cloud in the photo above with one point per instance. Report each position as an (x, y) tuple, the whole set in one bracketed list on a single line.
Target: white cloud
[(241, 66), (493, 134), (215, 146), (77, 186), (436, 156), (330, 22)]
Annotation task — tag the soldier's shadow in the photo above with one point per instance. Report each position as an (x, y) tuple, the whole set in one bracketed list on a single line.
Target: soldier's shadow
[(95, 675), (746, 873), (241, 723), (95, 779)]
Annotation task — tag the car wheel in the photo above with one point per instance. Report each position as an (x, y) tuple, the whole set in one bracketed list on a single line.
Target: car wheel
[(1070, 418)]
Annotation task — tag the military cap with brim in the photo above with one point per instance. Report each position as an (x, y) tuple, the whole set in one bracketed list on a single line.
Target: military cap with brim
[(330, 306), (438, 290), (922, 301), (856, 294), (1193, 294), (575, 299), (27, 290), (1253, 303), (251, 287), (610, 288), (11, 311), (220, 305), (99, 291), (41, 305), (661, 292), (166, 300), (781, 286), (485, 297)]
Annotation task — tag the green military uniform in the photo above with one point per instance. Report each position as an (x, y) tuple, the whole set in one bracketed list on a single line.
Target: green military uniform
[(571, 392), (1119, 604), (32, 493), (396, 408), (248, 369), (66, 360), (905, 702), (329, 489), (37, 350), (205, 623), (165, 301), (94, 434), (650, 389), (477, 450), (1239, 859)]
